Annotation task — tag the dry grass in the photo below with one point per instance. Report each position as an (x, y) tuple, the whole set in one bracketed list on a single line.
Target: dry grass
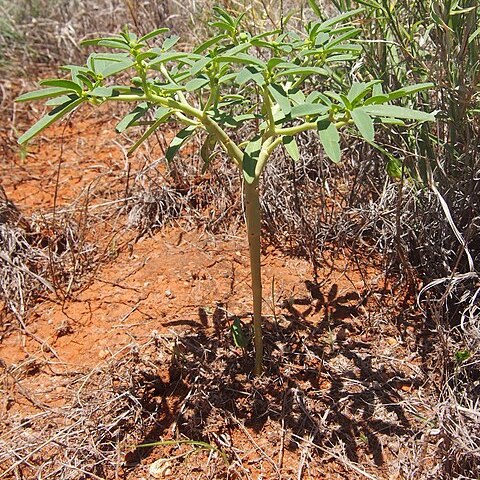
[(38, 257)]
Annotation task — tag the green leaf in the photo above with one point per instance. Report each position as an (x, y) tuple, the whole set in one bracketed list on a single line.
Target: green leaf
[(340, 58), (234, 120), (51, 117), (199, 65), (53, 102), (168, 87), (394, 168), (250, 73), (240, 339), (109, 64), (409, 90), (243, 58), (281, 97), (308, 109), (345, 101), (391, 121), (250, 158), (209, 43), (196, 83), (39, 94), (275, 62), (149, 55), (162, 113), (164, 57), (220, 13), (99, 41), (230, 100), (303, 71), (132, 117), (321, 39), (223, 26), (87, 82), (314, 52), (377, 99), (358, 90), (462, 355), (291, 147), (227, 78), (130, 37), (340, 18), (335, 96), (102, 92), (114, 44), (297, 96), (438, 19), (316, 9), (175, 145), (268, 33), (152, 34), (170, 42), (350, 33), (377, 90), (364, 123), (60, 83), (161, 119), (474, 35), (330, 140), (398, 112)]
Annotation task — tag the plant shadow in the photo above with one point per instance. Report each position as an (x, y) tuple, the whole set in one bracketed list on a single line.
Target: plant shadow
[(333, 390)]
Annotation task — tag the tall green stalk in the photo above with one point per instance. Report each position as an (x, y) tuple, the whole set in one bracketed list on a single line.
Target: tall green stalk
[(253, 218)]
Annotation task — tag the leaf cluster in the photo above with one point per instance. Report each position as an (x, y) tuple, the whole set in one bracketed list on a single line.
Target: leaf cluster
[(282, 81)]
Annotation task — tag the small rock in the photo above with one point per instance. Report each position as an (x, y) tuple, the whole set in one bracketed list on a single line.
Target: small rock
[(160, 468), (169, 294), (103, 354)]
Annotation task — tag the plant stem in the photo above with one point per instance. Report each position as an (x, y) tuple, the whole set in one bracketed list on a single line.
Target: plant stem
[(253, 215)]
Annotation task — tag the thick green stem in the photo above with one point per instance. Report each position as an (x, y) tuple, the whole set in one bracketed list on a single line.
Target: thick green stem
[(252, 212), (303, 127)]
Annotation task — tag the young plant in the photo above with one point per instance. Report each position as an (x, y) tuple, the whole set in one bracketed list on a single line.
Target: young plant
[(247, 94)]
